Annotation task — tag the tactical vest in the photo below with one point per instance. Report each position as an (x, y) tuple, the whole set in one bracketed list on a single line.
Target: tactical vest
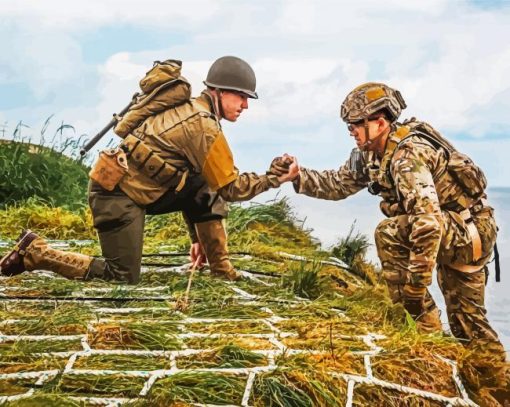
[(462, 173)]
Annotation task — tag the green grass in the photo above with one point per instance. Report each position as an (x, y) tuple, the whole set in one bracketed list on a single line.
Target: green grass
[(305, 280), (229, 356), (261, 229), (197, 387), (48, 171), (354, 245)]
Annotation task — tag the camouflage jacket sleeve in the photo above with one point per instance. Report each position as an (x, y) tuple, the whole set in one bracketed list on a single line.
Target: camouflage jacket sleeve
[(247, 185), (330, 184), (412, 167)]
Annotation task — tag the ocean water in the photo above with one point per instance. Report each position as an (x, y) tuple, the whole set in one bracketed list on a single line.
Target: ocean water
[(331, 220)]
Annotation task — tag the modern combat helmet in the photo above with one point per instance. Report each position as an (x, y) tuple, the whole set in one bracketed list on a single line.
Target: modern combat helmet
[(232, 73), (370, 98)]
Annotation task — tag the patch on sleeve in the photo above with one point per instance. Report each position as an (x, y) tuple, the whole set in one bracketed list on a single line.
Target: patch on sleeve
[(219, 168)]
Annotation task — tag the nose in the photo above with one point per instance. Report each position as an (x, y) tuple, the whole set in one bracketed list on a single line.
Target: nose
[(244, 104)]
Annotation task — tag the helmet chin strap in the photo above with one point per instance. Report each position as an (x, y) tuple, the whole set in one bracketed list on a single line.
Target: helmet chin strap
[(367, 134), (220, 105)]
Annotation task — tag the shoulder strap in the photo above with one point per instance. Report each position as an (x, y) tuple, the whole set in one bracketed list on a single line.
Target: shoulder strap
[(393, 142), (408, 129), (428, 132)]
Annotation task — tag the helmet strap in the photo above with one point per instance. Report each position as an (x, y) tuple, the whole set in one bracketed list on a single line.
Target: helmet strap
[(367, 135), (220, 104), (217, 106)]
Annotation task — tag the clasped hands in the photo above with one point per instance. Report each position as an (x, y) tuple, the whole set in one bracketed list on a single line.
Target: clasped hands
[(286, 168)]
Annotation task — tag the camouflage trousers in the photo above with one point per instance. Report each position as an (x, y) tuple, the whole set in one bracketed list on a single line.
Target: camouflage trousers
[(463, 291)]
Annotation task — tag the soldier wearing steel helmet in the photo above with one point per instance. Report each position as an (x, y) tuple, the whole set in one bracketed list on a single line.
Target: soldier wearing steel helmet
[(437, 216), (188, 137)]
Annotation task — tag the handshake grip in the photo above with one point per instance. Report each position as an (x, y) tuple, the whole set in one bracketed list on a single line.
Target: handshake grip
[(279, 166)]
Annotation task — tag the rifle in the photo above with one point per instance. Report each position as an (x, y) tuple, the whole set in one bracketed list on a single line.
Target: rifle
[(116, 117)]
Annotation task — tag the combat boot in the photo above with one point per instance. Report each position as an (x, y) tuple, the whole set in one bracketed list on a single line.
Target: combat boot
[(429, 321), (12, 263), (213, 238), (32, 252)]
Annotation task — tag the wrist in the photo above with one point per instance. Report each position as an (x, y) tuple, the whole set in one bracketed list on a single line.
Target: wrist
[(273, 181)]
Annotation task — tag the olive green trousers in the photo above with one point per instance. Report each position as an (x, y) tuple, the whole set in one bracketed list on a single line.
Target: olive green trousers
[(120, 221)]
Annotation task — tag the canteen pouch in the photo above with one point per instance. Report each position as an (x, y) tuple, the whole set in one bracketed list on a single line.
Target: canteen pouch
[(110, 168)]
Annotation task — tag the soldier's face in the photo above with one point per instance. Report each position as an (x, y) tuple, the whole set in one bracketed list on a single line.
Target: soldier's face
[(233, 104), (358, 131)]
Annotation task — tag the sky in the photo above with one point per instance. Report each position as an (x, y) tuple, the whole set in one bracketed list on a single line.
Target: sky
[(79, 62)]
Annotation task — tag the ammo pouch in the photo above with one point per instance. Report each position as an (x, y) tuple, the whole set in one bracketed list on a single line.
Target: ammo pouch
[(152, 165), (110, 167)]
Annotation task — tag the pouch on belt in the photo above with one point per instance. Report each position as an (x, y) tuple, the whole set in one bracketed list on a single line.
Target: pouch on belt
[(110, 167)]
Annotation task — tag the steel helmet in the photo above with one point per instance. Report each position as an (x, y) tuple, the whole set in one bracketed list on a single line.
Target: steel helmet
[(232, 73), (370, 98)]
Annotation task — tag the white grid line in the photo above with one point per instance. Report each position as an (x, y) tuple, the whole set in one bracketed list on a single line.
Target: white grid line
[(250, 373)]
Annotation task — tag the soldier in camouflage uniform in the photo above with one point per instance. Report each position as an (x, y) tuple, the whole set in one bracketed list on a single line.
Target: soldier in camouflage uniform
[(433, 219), (189, 141)]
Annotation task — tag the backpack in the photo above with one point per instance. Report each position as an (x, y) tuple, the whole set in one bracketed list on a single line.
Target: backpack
[(463, 170), (162, 87)]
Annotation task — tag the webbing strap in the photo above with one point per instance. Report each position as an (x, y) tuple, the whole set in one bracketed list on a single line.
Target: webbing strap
[(464, 267), (496, 260), (476, 242), (182, 182)]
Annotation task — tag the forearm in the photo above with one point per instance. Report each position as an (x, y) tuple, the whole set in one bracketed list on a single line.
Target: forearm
[(191, 228), (331, 184), (248, 185)]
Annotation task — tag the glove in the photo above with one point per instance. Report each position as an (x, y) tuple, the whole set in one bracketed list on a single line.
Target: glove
[(279, 166), (414, 306)]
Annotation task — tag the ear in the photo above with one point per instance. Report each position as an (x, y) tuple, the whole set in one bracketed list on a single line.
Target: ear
[(382, 124)]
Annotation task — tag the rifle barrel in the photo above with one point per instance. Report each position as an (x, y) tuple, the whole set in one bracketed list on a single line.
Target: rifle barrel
[(85, 149)]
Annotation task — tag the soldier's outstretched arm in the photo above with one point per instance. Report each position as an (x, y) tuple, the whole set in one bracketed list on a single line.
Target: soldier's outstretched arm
[(330, 184), (248, 185)]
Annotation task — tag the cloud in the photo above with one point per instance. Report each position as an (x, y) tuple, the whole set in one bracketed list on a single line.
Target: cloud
[(448, 58), (86, 15)]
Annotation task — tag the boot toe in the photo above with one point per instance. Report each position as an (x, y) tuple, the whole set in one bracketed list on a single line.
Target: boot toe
[(231, 275), (12, 263)]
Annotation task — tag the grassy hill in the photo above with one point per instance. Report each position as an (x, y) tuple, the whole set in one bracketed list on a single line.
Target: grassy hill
[(305, 327)]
